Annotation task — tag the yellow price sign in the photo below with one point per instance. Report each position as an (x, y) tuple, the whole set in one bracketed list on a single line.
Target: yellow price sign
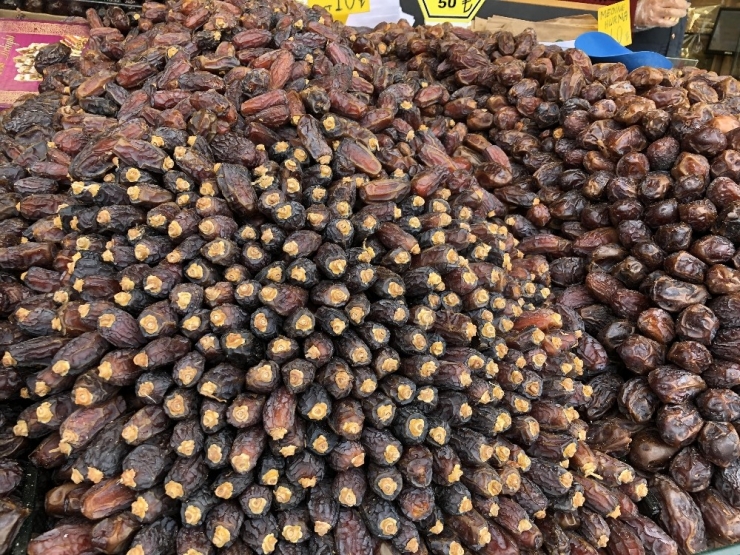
[(615, 21), (341, 8), (455, 11)]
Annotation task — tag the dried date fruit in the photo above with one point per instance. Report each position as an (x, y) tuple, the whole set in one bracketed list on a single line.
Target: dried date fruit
[(350, 290)]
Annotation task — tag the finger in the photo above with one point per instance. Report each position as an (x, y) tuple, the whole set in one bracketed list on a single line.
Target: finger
[(669, 7), (666, 22), (670, 13), (663, 18), (676, 13), (673, 4)]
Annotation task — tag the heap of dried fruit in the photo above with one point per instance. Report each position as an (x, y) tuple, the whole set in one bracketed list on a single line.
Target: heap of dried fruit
[(639, 203), (277, 285)]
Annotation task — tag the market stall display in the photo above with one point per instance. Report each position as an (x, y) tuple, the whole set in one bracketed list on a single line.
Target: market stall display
[(274, 284), (22, 37)]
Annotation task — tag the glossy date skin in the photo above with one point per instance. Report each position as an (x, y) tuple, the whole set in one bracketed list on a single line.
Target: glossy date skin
[(680, 516)]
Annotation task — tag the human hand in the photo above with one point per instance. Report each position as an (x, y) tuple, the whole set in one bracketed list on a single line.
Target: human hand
[(659, 13)]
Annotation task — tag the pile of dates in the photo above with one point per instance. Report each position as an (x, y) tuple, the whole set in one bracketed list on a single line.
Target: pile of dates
[(273, 284)]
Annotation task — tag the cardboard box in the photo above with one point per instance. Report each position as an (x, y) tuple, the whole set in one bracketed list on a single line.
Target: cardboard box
[(551, 30), (612, 17)]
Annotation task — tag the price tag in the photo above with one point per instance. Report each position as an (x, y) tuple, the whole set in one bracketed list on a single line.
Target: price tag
[(454, 11), (340, 9), (615, 21)]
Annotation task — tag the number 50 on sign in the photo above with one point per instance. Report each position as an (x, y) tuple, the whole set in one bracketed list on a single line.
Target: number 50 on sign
[(455, 11)]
